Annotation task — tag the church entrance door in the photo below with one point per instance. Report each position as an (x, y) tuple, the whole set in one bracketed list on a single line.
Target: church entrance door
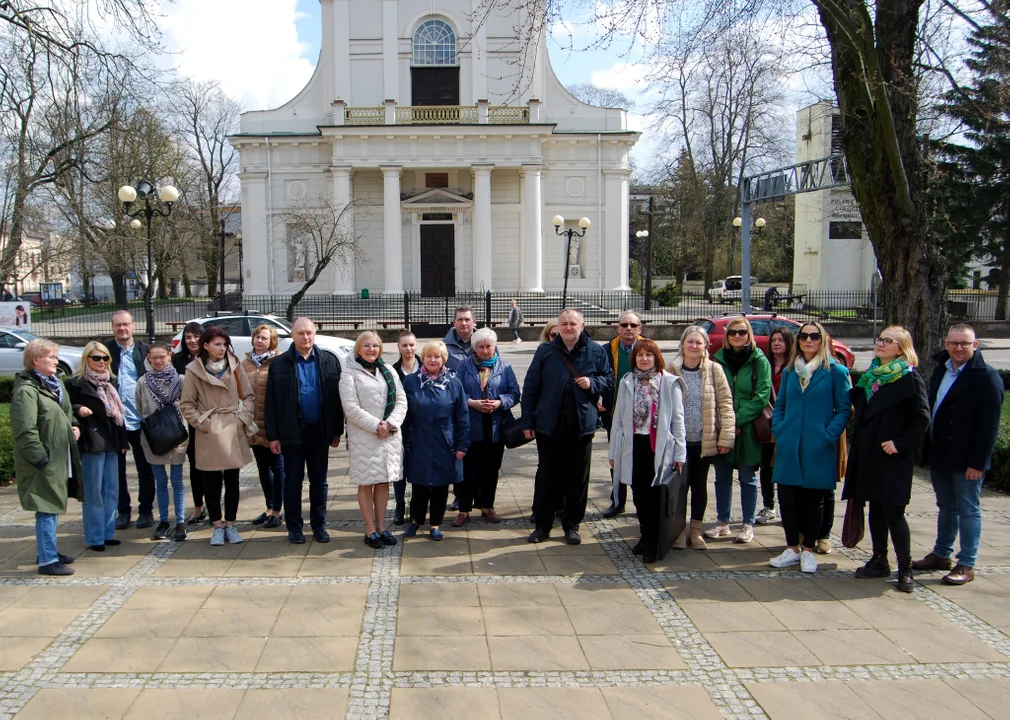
[(438, 260)]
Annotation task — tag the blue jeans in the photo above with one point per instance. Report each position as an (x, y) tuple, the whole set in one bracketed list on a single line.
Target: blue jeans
[(724, 490), (271, 470), (101, 496), (178, 492), (960, 511), (45, 537)]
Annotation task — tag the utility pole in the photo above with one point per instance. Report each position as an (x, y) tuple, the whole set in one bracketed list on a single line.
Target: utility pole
[(648, 258), (220, 261)]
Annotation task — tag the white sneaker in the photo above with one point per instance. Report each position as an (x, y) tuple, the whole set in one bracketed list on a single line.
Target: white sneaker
[(788, 558), (745, 535), (808, 563), (719, 531), (766, 516), (217, 537), (232, 536)]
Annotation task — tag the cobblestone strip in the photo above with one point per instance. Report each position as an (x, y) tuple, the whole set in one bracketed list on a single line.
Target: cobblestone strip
[(372, 683), (968, 622), (533, 679), (848, 673), (203, 680), (510, 579)]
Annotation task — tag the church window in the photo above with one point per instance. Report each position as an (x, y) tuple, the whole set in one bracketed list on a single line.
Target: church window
[(434, 44)]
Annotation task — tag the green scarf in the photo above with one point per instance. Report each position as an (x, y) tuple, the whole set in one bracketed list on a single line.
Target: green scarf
[(877, 375), (387, 376)]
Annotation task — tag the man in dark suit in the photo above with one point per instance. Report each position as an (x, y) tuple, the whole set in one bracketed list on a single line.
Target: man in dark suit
[(304, 419), (128, 356), (965, 397)]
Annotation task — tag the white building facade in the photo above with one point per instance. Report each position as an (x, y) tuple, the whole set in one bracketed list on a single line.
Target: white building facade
[(457, 144)]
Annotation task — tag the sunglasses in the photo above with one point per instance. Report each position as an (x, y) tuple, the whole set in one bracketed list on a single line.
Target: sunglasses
[(630, 325), (99, 358), (815, 336), (736, 333)]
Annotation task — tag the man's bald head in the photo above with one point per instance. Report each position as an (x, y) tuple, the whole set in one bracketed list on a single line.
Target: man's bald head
[(304, 334)]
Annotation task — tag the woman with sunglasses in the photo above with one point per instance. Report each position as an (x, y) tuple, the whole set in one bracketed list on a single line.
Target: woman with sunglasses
[(891, 417), (811, 413), (94, 397), (780, 342), (750, 380)]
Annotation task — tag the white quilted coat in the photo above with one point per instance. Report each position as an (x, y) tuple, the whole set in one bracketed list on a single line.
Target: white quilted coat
[(363, 395)]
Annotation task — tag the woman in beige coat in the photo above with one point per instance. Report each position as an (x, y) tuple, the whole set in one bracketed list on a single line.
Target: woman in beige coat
[(709, 419), (374, 408), (161, 385), (218, 401), (270, 465)]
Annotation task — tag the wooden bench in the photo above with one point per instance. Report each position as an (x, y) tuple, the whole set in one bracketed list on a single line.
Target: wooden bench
[(323, 324), (176, 324)]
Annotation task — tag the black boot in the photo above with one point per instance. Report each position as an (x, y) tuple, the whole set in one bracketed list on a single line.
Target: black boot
[(905, 581), (875, 567), (399, 513)]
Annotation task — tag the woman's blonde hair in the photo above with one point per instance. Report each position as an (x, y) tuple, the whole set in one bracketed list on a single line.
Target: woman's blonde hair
[(272, 332), (823, 353), (88, 349), (688, 332), (741, 320), (545, 334), (435, 347), (361, 341), (904, 343), (36, 349)]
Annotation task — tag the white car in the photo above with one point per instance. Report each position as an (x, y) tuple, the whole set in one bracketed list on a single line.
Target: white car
[(240, 328), (12, 349)]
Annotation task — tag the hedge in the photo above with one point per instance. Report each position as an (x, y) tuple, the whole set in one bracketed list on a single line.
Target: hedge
[(6, 446)]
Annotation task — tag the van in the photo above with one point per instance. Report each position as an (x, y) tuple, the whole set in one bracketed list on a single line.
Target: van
[(728, 290)]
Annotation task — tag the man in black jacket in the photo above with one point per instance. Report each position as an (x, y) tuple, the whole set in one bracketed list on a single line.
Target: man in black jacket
[(304, 419), (128, 357), (965, 397), (563, 386)]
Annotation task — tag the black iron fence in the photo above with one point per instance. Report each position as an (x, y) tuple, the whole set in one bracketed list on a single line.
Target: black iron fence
[(410, 309)]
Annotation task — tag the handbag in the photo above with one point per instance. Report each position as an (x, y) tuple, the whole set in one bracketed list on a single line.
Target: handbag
[(513, 432), (762, 424), (854, 524), (164, 430)]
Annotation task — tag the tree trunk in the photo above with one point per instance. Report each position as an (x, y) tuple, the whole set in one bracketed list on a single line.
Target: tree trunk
[(118, 288), (1004, 280), (187, 285)]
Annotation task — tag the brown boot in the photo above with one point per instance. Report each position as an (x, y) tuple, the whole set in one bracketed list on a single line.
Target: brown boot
[(681, 542), (697, 541), (932, 562)]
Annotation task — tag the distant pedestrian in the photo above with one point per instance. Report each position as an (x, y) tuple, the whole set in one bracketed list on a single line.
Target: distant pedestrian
[(771, 298), (269, 465), (515, 321)]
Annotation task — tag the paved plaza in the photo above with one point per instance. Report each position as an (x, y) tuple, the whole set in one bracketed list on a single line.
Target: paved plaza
[(485, 625)]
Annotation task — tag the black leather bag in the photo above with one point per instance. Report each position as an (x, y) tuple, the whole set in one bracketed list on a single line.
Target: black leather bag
[(513, 432), (672, 509), (164, 430)]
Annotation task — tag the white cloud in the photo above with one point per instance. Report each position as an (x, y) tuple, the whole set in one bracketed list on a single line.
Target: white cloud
[(250, 46), (623, 76)]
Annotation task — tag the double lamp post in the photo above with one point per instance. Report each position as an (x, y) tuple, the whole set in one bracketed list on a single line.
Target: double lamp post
[(559, 222)]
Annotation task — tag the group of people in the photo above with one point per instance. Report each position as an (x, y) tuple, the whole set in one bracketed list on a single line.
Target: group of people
[(437, 419)]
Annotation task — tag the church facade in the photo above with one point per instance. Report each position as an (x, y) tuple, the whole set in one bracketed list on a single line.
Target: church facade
[(457, 145)]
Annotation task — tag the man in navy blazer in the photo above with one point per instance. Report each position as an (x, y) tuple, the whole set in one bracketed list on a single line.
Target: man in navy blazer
[(965, 397)]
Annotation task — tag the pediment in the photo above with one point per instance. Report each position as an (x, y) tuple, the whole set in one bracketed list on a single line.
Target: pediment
[(439, 198)]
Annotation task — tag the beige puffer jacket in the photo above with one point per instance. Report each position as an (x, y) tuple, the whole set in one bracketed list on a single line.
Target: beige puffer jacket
[(258, 380), (211, 405), (718, 421)]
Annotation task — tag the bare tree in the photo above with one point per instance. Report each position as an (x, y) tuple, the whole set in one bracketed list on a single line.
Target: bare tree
[(317, 230), (600, 96)]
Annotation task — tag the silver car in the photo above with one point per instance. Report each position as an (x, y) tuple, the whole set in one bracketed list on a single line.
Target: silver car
[(12, 347), (240, 328)]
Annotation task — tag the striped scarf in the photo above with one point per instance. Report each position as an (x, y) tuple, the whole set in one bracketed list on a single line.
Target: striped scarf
[(53, 384), (387, 376)]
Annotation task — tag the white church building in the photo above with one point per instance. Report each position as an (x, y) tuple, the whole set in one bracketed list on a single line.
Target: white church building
[(457, 144)]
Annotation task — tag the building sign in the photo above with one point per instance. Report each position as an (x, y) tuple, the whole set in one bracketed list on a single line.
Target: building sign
[(51, 290), (842, 207)]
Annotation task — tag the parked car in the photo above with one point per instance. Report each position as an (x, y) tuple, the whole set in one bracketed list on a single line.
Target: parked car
[(240, 328), (763, 325), (728, 290), (12, 347)]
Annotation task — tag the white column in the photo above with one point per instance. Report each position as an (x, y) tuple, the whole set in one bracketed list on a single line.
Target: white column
[(393, 236), (342, 49), (343, 264), (482, 239), (254, 233), (390, 56), (615, 236), (532, 235)]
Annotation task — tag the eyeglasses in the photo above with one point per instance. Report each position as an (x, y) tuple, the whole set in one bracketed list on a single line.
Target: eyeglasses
[(629, 325), (154, 357), (883, 341), (814, 336), (737, 333), (959, 345), (99, 358)]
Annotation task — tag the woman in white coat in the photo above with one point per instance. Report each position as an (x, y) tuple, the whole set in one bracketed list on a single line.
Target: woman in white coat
[(374, 409), (647, 437)]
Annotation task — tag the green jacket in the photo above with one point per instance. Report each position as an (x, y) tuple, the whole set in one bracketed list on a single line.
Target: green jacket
[(44, 447), (752, 389)]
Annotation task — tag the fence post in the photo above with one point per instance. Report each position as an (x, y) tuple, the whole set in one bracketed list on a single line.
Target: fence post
[(487, 308), (406, 309)]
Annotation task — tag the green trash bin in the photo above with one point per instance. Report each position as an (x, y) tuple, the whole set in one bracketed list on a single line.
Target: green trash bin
[(364, 293)]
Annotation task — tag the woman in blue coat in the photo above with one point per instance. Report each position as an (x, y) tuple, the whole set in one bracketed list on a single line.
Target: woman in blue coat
[(437, 435), (491, 389), (811, 413)]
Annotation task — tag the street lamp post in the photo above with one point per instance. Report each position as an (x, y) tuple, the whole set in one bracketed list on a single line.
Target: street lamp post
[(743, 222), (646, 268), (144, 191), (223, 305), (559, 221)]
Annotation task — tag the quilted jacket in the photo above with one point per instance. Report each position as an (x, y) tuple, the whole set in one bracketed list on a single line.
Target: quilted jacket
[(363, 395)]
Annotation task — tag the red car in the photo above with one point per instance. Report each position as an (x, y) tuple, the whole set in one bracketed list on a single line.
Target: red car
[(763, 325)]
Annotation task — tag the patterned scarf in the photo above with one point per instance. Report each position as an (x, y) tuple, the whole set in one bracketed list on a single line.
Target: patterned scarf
[(258, 360), (646, 397), (108, 395), (484, 368), (53, 384), (440, 379), (877, 375), (165, 386), (380, 364)]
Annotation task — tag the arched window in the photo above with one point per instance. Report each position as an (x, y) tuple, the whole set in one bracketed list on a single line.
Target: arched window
[(434, 44)]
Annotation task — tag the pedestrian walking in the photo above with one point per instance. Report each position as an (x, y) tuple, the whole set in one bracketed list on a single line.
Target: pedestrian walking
[(515, 321), (269, 465)]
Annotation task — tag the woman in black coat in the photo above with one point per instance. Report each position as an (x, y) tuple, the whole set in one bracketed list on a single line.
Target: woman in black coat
[(891, 416)]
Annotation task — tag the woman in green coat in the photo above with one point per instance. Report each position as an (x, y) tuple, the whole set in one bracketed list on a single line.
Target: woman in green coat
[(750, 379), (46, 461)]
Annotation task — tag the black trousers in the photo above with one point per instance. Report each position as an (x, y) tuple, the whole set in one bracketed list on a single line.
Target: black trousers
[(195, 473), (400, 490), (431, 501), (697, 480), (891, 519), (313, 453), (145, 478), (767, 485), (481, 466), (212, 482), (271, 472), (827, 516), (646, 497), (801, 513), (562, 480)]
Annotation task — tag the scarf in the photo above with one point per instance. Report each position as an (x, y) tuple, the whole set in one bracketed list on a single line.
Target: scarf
[(165, 386), (736, 359), (216, 368), (439, 380), (54, 386), (107, 394), (484, 368), (387, 376), (878, 375), (805, 370), (258, 360), (646, 397)]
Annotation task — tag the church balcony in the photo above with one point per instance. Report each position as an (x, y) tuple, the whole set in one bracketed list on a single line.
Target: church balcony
[(480, 114)]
